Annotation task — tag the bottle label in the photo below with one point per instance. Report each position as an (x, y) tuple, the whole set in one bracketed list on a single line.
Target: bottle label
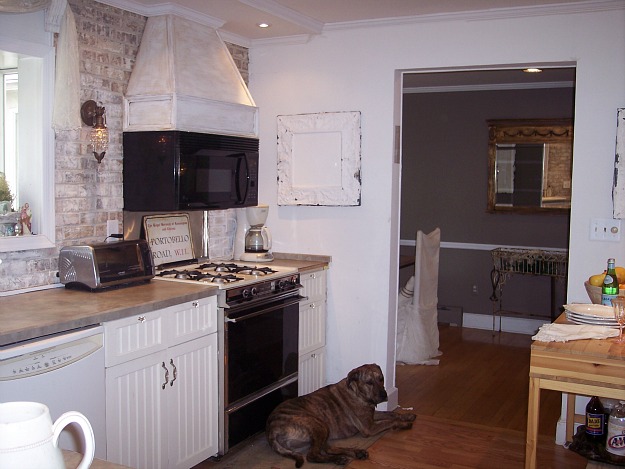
[(606, 300), (595, 424), (615, 442), (608, 279)]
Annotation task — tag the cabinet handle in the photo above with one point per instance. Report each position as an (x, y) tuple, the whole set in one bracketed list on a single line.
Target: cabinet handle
[(312, 305), (141, 318), (166, 375), (313, 355), (195, 304), (171, 362)]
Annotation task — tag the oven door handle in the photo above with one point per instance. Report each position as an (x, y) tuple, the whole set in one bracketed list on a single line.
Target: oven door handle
[(294, 301)]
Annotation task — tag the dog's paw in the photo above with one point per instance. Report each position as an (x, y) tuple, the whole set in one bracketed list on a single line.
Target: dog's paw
[(403, 425), (408, 417), (362, 454), (341, 460)]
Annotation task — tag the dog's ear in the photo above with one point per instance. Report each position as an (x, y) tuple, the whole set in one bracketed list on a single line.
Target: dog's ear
[(352, 379)]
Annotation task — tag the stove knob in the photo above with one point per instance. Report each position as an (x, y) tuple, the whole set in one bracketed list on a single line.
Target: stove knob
[(282, 284), (254, 291), (246, 293)]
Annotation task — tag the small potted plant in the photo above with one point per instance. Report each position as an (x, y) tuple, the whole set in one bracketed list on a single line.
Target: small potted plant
[(6, 198)]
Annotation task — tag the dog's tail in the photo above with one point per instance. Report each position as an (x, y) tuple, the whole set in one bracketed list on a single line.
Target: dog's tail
[(274, 439)]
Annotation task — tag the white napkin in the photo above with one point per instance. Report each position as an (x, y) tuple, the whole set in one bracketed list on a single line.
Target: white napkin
[(566, 332)]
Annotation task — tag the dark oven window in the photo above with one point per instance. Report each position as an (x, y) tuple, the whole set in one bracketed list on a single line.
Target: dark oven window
[(262, 349)]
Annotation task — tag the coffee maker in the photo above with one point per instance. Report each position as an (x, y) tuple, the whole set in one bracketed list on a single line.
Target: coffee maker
[(257, 237)]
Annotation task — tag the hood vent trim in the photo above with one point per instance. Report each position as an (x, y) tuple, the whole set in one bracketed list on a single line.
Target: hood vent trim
[(185, 79)]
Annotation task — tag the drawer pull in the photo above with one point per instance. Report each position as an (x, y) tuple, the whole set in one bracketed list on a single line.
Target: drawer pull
[(312, 305), (171, 362), (313, 355), (196, 304), (166, 375), (141, 319)]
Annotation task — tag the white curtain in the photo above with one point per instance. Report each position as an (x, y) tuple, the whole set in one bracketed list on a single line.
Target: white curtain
[(417, 313)]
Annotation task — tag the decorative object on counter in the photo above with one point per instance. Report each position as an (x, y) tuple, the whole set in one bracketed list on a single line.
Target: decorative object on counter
[(553, 332), (94, 115), (169, 238), (319, 159), (6, 197), (29, 439), (26, 216)]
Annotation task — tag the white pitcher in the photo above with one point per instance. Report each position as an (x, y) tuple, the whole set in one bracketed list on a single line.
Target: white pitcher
[(28, 439)]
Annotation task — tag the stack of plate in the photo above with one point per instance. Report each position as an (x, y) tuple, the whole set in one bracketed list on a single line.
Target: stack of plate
[(591, 314)]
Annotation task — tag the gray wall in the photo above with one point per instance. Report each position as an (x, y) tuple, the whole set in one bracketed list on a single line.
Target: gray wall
[(444, 184)]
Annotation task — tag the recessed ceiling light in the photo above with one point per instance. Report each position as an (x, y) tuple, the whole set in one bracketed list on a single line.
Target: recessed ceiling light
[(532, 70), (263, 25)]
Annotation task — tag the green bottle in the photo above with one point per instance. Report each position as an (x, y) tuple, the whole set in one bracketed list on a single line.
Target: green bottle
[(609, 290)]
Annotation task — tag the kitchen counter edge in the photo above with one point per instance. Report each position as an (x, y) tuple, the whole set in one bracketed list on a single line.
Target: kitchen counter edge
[(40, 313)]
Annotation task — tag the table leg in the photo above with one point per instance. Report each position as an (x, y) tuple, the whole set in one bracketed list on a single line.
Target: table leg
[(533, 408), (570, 416)]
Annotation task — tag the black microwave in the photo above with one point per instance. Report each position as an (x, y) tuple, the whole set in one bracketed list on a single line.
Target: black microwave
[(176, 170)]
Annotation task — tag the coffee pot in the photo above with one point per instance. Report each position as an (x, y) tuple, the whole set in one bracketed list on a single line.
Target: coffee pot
[(29, 439), (258, 236)]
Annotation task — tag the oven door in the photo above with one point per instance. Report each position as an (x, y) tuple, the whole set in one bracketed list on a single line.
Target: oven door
[(261, 364), (262, 347)]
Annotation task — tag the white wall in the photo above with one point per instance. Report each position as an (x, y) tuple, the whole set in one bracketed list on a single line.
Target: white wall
[(354, 70)]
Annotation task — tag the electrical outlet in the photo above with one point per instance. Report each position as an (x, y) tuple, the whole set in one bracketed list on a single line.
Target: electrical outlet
[(112, 227), (605, 229)]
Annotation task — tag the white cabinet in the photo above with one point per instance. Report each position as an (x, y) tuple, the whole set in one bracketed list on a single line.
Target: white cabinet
[(312, 331), (162, 386)]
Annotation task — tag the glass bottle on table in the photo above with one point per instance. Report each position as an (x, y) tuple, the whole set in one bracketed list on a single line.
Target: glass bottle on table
[(609, 289)]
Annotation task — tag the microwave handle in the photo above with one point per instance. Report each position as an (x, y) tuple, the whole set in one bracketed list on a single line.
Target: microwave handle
[(241, 162)]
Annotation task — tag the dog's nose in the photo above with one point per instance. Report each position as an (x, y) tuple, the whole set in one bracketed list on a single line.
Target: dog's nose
[(383, 395)]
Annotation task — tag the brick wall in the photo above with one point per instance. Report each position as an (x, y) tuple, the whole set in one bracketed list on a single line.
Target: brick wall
[(87, 194)]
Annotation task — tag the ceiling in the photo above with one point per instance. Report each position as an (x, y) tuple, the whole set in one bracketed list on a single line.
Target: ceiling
[(238, 19)]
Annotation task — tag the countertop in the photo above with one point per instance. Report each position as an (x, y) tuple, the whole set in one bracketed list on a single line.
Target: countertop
[(36, 314)]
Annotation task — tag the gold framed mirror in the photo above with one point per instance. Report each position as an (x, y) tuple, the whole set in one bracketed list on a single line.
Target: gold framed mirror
[(529, 165)]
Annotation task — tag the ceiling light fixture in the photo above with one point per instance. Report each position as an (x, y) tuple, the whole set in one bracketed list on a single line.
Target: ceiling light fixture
[(263, 25), (94, 116), (532, 70)]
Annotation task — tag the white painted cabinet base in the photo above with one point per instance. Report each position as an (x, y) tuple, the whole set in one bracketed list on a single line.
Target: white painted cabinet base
[(312, 371), (162, 387)]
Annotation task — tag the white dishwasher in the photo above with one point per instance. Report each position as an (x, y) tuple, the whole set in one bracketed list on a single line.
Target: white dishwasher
[(64, 371)]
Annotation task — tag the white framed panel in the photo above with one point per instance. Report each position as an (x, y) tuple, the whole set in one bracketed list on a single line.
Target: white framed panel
[(319, 159)]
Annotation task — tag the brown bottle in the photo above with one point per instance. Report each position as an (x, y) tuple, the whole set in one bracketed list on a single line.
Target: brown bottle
[(595, 421)]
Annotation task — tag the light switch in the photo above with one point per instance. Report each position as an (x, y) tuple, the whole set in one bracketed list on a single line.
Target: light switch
[(605, 229)]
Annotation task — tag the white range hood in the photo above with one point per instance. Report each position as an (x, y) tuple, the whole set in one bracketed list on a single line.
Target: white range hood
[(185, 79)]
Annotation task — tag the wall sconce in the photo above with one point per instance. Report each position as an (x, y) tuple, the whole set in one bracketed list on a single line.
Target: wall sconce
[(93, 115)]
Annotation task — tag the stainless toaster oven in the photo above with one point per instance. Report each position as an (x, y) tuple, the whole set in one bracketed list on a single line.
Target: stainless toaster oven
[(103, 265)]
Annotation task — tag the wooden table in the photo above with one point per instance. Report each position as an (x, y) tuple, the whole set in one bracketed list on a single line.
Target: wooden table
[(586, 367)]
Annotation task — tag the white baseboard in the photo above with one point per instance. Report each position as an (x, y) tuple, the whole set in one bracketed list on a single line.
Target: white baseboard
[(503, 323)]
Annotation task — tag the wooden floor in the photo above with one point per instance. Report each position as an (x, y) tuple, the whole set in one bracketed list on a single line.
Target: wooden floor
[(471, 413), (471, 409)]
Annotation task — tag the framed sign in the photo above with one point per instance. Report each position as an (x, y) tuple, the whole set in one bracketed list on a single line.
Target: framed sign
[(319, 159), (169, 238)]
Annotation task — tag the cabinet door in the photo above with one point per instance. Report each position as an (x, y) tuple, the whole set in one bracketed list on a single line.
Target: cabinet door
[(193, 402), (315, 285), (312, 326), (311, 371), (135, 412)]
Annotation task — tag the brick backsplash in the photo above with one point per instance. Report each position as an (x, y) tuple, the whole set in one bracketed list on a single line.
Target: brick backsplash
[(87, 194)]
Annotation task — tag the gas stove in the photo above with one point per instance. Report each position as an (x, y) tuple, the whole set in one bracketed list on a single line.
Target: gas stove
[(242, 282), (222, 275)]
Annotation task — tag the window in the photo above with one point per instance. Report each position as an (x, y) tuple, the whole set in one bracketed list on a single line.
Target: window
[(27, 153)]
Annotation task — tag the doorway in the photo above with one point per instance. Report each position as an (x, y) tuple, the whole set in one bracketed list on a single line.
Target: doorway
[(444, 179)]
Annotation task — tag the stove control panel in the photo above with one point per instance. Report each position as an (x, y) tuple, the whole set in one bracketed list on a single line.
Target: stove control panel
[(262, 289)]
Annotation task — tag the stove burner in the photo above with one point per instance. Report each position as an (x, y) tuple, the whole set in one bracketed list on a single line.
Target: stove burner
[(219, 267), (251, 270), (199, 276)]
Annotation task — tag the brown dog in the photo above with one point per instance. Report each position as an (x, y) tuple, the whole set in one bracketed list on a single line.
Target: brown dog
[(336, 411)]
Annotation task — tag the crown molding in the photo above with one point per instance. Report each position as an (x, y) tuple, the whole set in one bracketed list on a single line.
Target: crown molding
[(166, 8), (485, 15)]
